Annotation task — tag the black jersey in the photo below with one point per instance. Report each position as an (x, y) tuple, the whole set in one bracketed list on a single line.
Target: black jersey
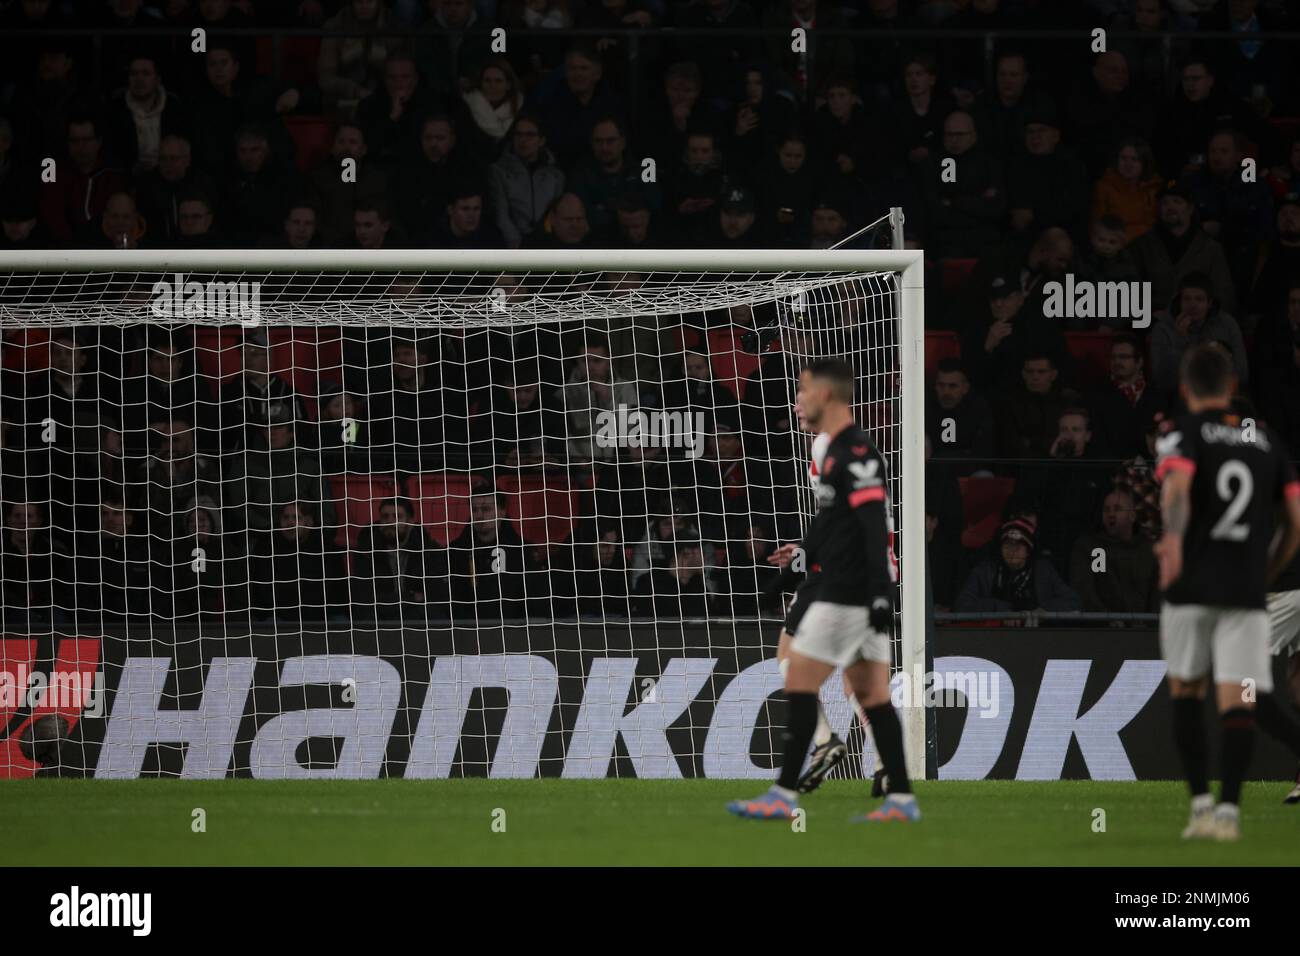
[(1289, 579), (852, 535), (1239, 474)]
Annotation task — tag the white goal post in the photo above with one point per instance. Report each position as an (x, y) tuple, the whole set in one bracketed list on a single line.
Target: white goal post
[(496, 288)]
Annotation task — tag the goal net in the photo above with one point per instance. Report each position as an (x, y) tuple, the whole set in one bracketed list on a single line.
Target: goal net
[(425, 514)]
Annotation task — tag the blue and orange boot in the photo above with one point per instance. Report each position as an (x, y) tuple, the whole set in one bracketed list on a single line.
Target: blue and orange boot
[(900, 807), (773, 805)]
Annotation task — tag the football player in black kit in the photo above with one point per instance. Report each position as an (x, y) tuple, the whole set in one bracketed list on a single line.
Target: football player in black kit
[(1222, 480), (847, 624)]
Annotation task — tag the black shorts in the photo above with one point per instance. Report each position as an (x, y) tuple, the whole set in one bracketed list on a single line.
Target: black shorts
[(804, 595)]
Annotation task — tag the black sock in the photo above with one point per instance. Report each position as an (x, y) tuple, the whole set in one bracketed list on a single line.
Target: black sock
[(1189, 738), (1275, 721), (800, 725), (1238, 747), (888, 733)]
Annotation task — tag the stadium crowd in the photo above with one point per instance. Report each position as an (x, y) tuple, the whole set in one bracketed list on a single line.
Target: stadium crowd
[(1116, 166)]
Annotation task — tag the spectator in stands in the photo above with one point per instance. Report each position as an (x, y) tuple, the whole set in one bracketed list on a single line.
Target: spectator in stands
[(725, 481), (996, 346), (662, 535), (849, 144), (965, 199), (426, 180), (459, 44), (277, 469), (112, 562), (298, 574), (66, 405), (209, 580), (20, 225), (694, 188), (167, 386), (683, 110), (1016, 579), (1178, 246), (1114, 569), (353, 53), (1129, 188), (571, 101), (830, 222), (634, 224), (406, 417), (959, 421), (141, 115), (373, 226), (694, 389), (391, 116), (28, 556), (1028, 418), (1002, 111), (1236, 213), (762, 115), (606, 174), (495, 101), (494, 574), (786, 190), (299, 229), (177, 475), (1027, 264), (1198, 108), (520, 424), (565, 226), (120, 226), (160, 190), (600, 575), (1124, 410), (920, 119), (48, 96), (752, 584), (1276, 264), (676, 590), (75, 200), (231, 99), (464, 226), (725, 50), (1249, 65), (1106, 108), (1195, 315), (824, 56), (253, 190), (343, 432), (1047, 183), (591, 389), (735, 225), (393, 565), (524, 182), (1106, 260), (248, 399), (337, 194), (1067, 496), (195, 221)]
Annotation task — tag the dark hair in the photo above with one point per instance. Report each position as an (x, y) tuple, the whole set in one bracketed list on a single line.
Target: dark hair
[(1110, 222), (399, 501), (952, 364), (1196, 280), (1080, 410), (1127, 338), (376, 205), (1207, 371), (835, 371)]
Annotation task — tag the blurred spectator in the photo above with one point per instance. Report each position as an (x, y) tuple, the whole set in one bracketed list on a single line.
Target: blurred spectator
[(1258, 68), (965, 199), (590, 394), (565, 226), (426, 180), (494, 574), (1198, 108), (762, 115), (722, 52), (606, 174), (752, 584), (277, 469), (521, 426), (230, 99), (1114, 569), (1276, 264), (1178, 246), (196, 223), (1106, 108), (850, 143), (120, 226), (1028, 417), (786, 194), (254, 189), (495, 101), (249, 399), (1125, 408), (1129, 189), (298, 575), (694, 188), (996, 344), (1067, 496), (373, 226), (1195, 316), (459, 44), (75, 200), (160, 190), (391, 116), (1001, 113), (735, 227), (1106, 260), (298, 228), (209, 569), (343, 432), (1278, 384), (662, 535), (393, 564), (1047, 183), (634, 226), (920, 118), (464, 225), (166, 385), (352, 55), (1016, 579), (28, 556), (112, 567), (48, 96), (21, 227), (177, 475), (537, 54), (1236, 213), (682, 111), (406, 415), (343, 180), (141, 115), (600, 575), (570, 101), (524, 182), (822, 56), (694, 389), (959, 421), (676, 590)]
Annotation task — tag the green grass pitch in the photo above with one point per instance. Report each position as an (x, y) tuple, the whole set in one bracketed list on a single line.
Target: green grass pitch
[(613, 822)]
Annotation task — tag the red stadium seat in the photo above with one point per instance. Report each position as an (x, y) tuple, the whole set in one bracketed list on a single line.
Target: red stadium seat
[(25, 350), (982, 501), (441, 504), (357, 500), (939, 346), (956, 272), (298, 57), (542, 506), (1091, 351), (216, 354), (311, 139), (732, 365)]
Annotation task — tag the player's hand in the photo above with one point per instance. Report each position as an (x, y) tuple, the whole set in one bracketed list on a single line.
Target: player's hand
[(881, 614), (784, 555), (1169, 552)]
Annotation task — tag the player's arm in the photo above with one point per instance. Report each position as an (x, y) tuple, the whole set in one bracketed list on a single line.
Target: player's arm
[(1176, 514), (1289, 538)]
